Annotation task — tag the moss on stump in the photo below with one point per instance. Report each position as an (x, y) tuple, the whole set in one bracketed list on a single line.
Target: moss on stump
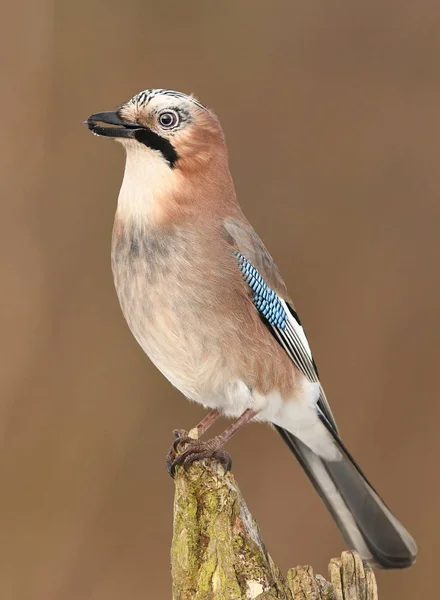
[(218, 553)]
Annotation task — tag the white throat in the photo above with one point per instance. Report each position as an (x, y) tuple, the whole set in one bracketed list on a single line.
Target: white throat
[(147, 181)]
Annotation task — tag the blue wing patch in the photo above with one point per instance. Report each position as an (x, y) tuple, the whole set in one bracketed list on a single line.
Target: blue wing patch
[(265, 299), (286, 328)]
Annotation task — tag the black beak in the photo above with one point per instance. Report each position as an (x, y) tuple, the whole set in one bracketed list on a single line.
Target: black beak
[(134, 131), (125, 129)]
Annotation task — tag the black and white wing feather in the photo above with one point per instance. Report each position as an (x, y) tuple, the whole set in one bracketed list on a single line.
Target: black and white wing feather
[(286, 328)]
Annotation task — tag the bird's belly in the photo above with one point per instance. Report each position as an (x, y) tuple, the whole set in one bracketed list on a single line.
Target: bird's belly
[(190, 348), (174, 304), (172, 332), (188, 363)]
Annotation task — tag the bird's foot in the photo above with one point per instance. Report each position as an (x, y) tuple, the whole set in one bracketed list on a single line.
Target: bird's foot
[(185, 450), (181, 437)]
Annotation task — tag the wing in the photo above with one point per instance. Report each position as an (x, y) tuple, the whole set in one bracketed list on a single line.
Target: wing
[(270, 298), (242, 236)]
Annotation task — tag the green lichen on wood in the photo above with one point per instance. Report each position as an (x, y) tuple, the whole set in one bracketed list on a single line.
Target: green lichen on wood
[(218, 553)]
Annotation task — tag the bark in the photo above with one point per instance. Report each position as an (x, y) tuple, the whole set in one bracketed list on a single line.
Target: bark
[(217, 550)]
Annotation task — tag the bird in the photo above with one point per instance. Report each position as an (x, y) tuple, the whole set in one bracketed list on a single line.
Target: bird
[(206, 302)]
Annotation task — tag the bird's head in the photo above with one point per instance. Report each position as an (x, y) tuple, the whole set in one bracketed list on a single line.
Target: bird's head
[(170, 126), (177, 160)]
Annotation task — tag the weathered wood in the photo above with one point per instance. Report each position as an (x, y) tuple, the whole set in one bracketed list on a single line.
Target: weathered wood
[(217, 550)]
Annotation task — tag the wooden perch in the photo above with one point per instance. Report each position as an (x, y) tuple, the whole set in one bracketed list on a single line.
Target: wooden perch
[(217, 550)]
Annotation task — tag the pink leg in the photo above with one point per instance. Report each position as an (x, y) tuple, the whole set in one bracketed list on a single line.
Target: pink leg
[(207, 421), (181, 435), (247, 416), (199, 450)]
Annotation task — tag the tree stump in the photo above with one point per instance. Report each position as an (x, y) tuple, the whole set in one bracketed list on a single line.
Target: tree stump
[(218, 553)]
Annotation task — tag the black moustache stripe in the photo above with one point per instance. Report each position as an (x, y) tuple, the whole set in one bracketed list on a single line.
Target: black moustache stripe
[(156, 142)]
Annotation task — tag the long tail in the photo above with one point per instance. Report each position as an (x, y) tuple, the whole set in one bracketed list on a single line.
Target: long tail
[(366, 523)]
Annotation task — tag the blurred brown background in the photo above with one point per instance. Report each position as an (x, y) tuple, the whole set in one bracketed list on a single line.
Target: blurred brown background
[(331, 111)]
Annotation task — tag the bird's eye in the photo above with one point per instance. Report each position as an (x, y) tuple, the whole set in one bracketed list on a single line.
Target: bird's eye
[(168, 119)]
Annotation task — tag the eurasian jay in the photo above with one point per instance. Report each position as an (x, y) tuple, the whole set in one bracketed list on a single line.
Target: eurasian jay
[(206, 302)]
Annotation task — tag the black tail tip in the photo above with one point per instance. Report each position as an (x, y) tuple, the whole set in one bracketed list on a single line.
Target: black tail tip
[(402, 561)]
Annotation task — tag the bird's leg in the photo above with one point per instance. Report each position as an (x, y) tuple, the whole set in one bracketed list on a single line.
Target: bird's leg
[(181, 436), (199, 450), (204, 424)]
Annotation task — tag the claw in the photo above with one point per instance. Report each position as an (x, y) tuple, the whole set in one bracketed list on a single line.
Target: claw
[(179, 433), (181, 441), (195, 450)]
